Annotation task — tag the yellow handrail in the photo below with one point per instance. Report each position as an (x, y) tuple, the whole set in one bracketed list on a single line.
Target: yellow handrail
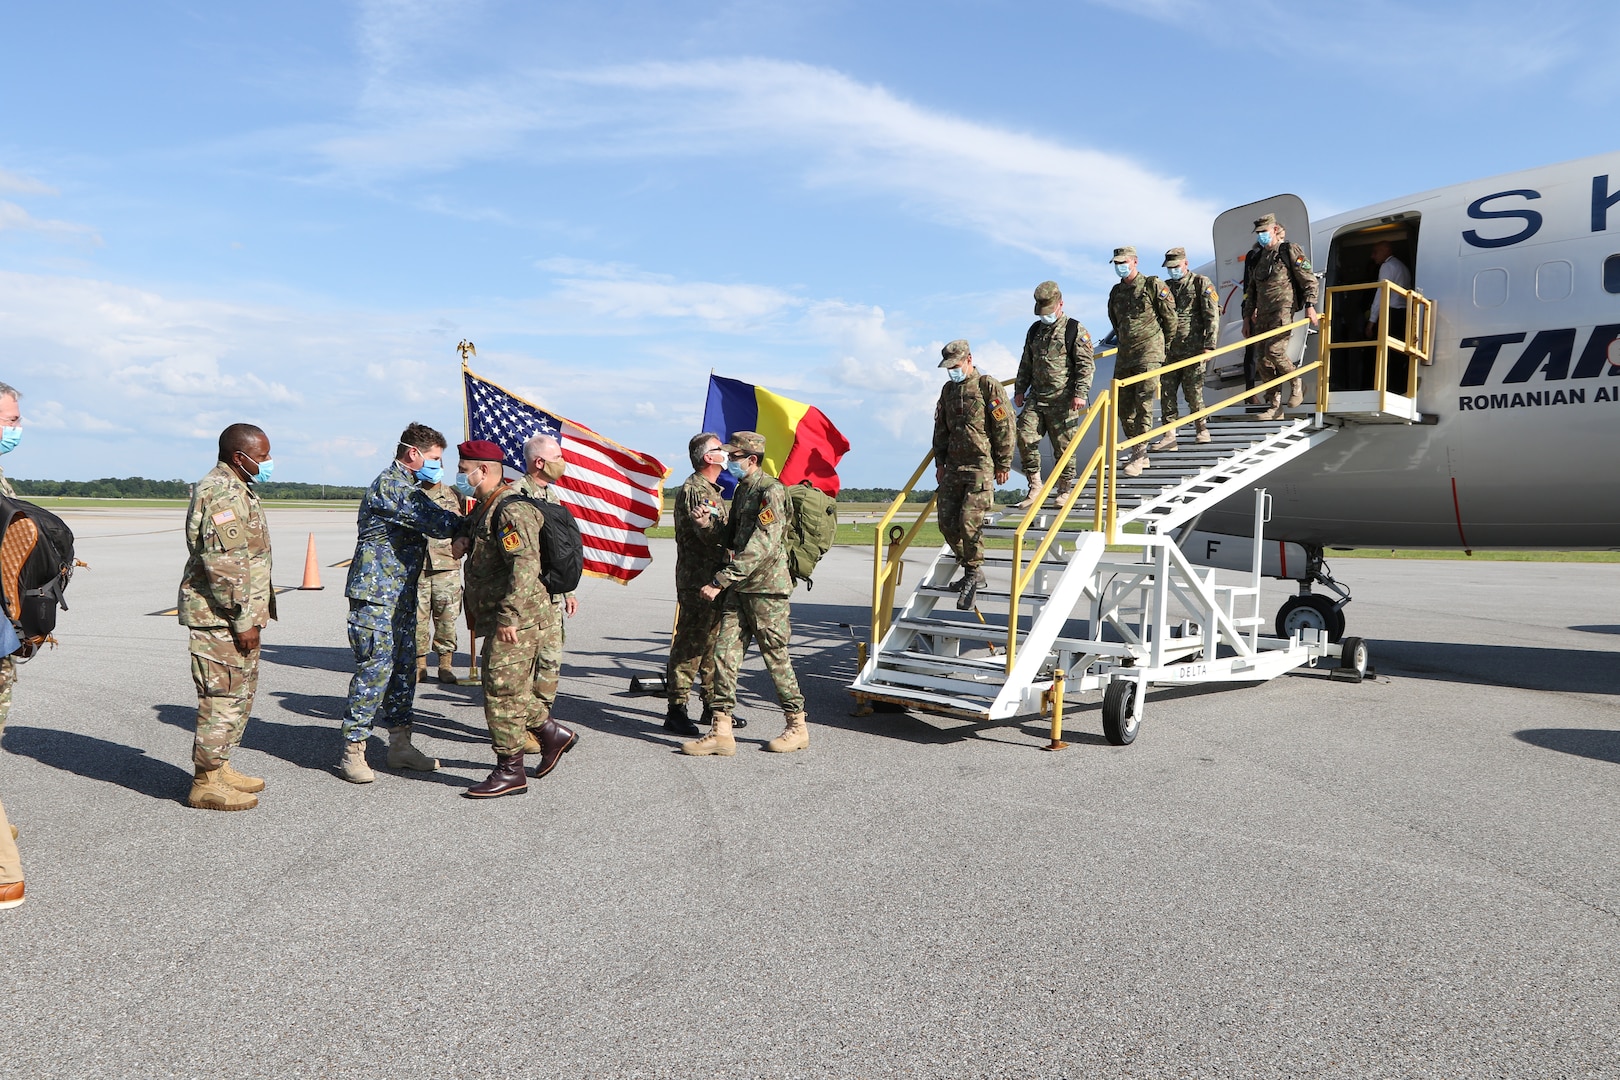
[(1416, 342)]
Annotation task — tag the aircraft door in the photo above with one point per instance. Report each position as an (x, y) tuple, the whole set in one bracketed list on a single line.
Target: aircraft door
[(1234, 236)]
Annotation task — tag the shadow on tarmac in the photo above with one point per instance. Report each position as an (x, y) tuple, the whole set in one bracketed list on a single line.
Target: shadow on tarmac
[(100, 759), (1598, 629), (1600, 744), (1576, 671)]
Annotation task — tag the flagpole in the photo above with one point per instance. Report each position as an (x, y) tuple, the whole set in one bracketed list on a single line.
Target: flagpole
[(466, 349)]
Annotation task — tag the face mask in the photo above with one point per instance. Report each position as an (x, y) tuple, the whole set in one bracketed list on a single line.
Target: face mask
[(1175, 273), (430, 472), (9, 438), (553, 470), (1122, 269), (266, 467), (464, 486), (737, 469), (1049, 319), (1263, 239), (957, 375)]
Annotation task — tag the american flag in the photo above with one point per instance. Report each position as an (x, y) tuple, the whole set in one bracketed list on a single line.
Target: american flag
[(614, 493)]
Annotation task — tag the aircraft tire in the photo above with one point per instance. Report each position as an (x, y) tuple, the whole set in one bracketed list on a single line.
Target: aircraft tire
[(1313, 612), (1353, 661), (1120, 722)]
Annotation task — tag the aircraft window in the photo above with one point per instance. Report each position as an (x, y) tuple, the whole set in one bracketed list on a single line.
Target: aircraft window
[(1611, 274), (1490, 287), (1555, 280)]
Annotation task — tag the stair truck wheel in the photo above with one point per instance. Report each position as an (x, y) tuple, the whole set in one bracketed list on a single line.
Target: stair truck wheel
[(1353, 660), (1119, 712), (1310, 612)]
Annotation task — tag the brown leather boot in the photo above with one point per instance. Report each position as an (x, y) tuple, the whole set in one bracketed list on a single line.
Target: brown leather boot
[(555, 741), (209, 791), (11, 894), (249, 784), (508, 778), (795, 737), (719, 742)]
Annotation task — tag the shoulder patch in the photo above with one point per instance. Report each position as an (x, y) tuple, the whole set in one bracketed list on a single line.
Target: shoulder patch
[(999, 412), (511, 539), (224, 516), (767, 516)]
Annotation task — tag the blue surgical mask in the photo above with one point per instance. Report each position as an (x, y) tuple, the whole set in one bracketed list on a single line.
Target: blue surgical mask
[(9, 438), (1263, 239), (737, 469), (1175, 273), (956, 374), (266, 467), (1122, 269), (464, 486), (1049, 319), (430, 472)]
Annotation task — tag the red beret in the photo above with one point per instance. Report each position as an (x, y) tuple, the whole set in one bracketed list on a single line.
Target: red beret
[(480, 450)]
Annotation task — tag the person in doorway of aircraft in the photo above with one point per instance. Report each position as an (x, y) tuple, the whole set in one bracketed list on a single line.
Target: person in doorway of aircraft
[(1394, 271), (1277, 281)]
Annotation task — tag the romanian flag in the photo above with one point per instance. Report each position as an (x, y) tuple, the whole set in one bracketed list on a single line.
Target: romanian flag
[(800, 443)]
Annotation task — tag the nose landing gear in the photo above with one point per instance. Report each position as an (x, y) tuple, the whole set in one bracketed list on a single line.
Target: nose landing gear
[(1311, 611)]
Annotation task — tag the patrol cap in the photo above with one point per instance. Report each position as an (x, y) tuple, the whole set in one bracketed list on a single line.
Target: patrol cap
[(480, 450), (1174, 256), (1047, 295), (1123, 253), (954, 353), (1265, 222), (746, 442)]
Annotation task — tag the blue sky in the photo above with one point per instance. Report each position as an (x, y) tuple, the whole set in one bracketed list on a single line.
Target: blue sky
[(291, 213)]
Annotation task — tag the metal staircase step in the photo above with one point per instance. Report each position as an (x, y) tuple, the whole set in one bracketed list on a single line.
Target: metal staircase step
[(1003, 595)]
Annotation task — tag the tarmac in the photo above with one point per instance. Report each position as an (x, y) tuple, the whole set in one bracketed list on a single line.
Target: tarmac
[(1418, 875)]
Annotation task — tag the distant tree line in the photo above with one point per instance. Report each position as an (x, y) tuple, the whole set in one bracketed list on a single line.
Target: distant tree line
[(138, 487)]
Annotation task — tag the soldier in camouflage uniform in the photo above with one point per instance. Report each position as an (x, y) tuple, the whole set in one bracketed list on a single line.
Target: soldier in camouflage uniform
[(395, 522), (1275, 275), (11, 874), (700, 552), (513, 613), (1144, 317), (753, 587), (972, 447), (543, 457), (226, 599), (1053, 385), (438, 594), (1198, 314)]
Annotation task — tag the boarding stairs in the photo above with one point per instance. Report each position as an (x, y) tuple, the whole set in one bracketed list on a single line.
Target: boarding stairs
[(1095, 594)]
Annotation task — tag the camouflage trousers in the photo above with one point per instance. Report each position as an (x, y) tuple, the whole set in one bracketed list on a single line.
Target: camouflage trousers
[(1271, 356), (1058, 422), (384, 682), (765, 620), (691, 652), (511, 705), (553, 636), (1188, 381), (10, 861), (438, 604), (226, 680), (1136, 400), (964, 499)]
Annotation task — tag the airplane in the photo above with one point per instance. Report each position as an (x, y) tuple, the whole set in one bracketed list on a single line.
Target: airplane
[(1508, 442)]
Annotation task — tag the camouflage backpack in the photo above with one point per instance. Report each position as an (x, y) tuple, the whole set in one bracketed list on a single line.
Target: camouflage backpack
[(812, 525)]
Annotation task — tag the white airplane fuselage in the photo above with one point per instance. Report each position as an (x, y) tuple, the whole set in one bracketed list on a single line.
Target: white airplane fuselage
[(1522, 401)]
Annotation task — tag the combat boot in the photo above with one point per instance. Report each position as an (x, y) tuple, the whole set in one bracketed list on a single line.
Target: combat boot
[(1167, 441), (1034, 492), (972, 581), (531, 741), (1203, 432), (678, 721), (796, 736), (508, 778), (1296, 392), (447, 677), (718, 742), (1274, 405), (402, 755), (353, 767), (209, 791), (555, 741), (249, 784), (421, 668), (1135, 466)]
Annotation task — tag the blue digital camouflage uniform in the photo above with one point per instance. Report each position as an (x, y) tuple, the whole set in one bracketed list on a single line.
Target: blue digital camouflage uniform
[(396, 520)]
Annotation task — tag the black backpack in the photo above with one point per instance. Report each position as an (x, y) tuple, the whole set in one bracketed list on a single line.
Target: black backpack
[(36, 563), (562, 550)]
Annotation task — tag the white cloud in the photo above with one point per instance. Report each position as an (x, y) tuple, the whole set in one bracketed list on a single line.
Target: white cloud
[(615, 291), (13, 216), (23, 185)]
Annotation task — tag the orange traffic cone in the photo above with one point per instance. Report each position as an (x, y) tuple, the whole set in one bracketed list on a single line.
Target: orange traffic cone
[(312, 571)]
